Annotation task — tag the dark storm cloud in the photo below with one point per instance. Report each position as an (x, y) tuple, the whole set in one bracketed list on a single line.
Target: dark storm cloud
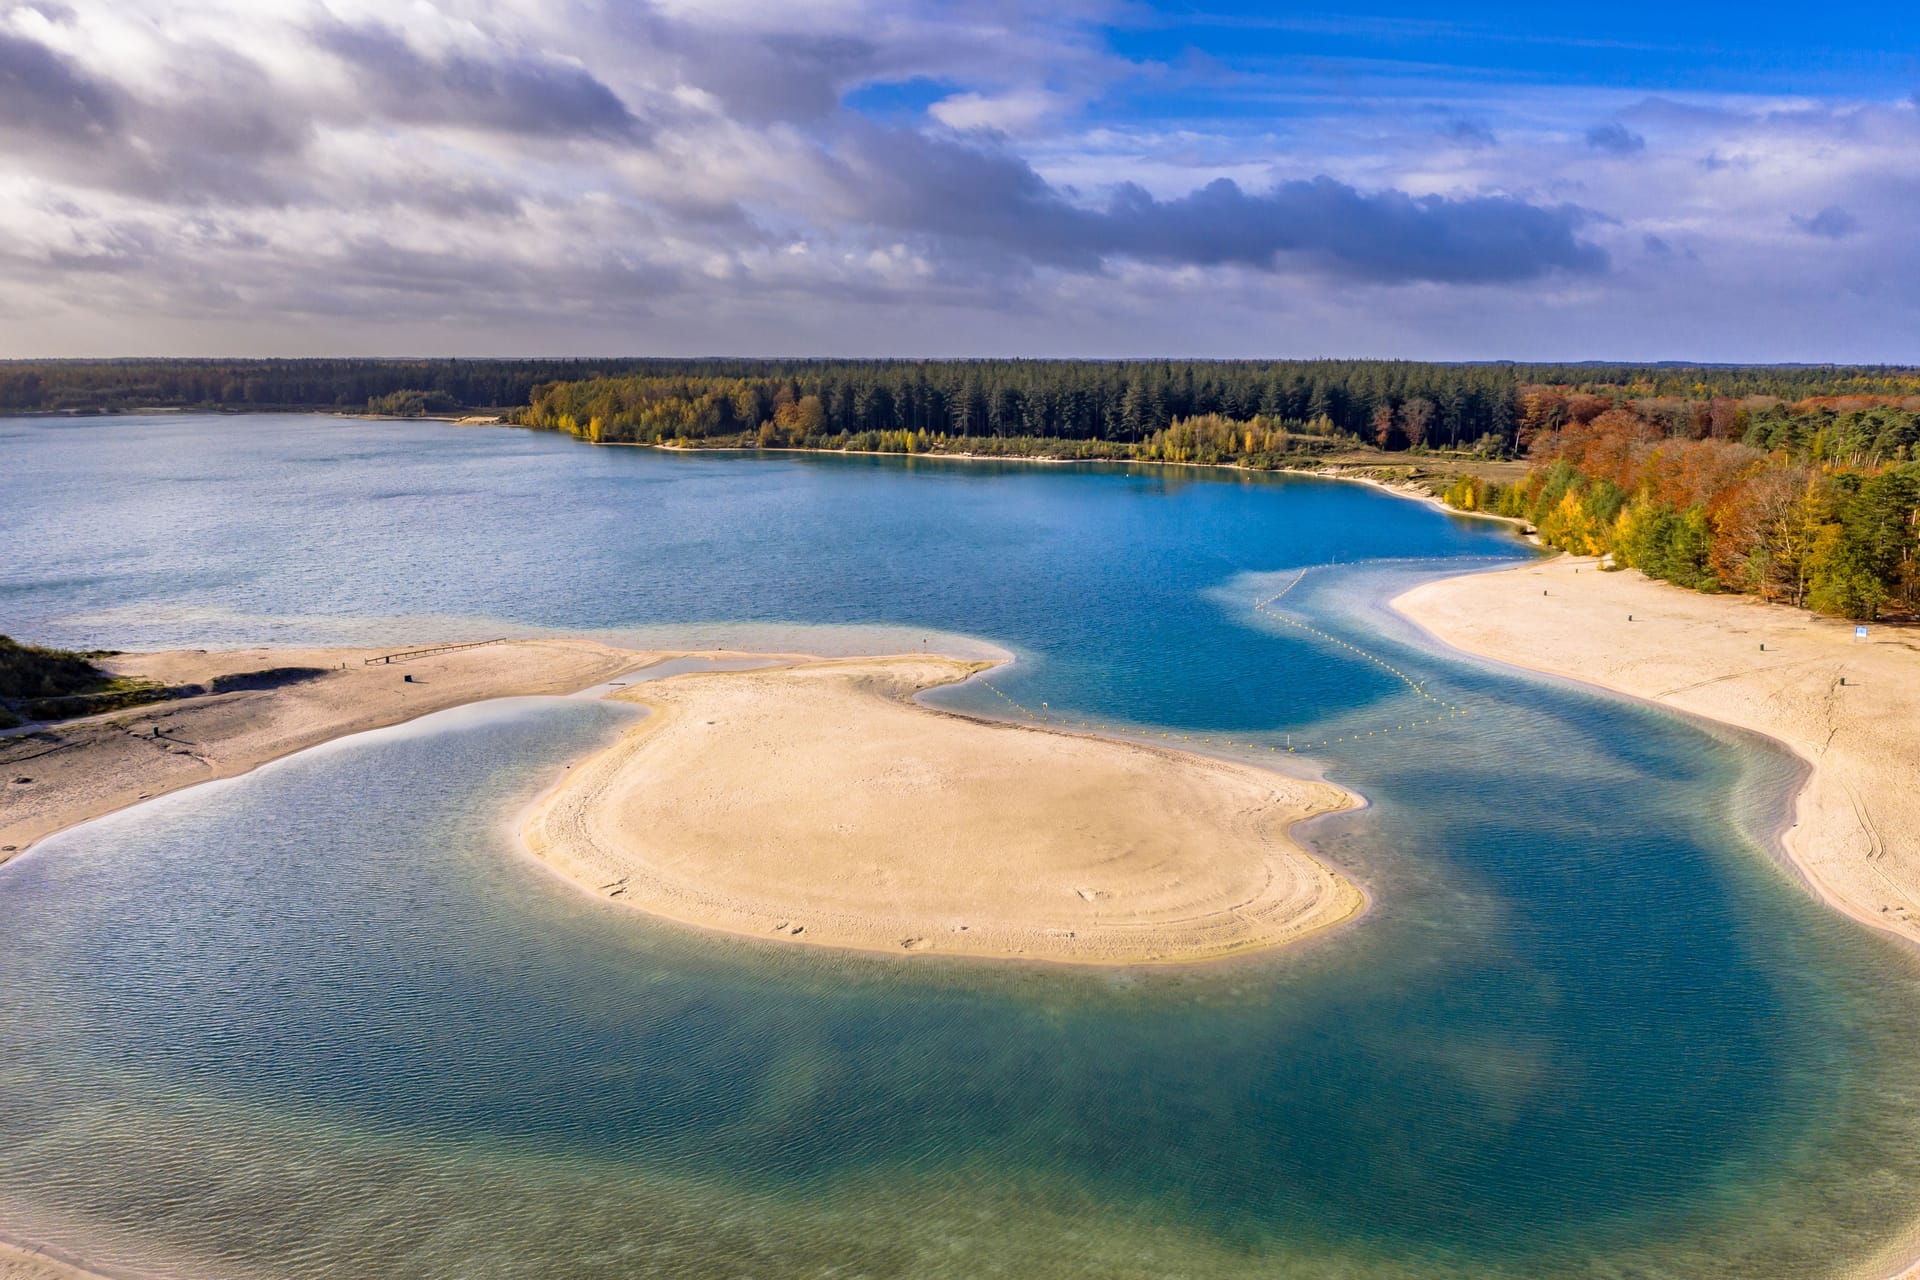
[(43, 92), (1616, 138), (512, 94), (1831, 223), (945, 189)]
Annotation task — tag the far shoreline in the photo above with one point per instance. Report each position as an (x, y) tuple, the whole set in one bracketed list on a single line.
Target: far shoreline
[(1352, 471), (1348, 469)]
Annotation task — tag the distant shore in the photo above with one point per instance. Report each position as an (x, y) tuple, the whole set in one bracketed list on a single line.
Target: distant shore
[(1405, 474), (1402, 474), (1849, 708)]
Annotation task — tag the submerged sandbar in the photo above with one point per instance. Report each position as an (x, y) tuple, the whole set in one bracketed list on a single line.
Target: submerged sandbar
[(818, 803)]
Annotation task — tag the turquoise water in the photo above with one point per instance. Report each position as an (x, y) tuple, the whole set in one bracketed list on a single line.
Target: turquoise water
[(325, 1020)]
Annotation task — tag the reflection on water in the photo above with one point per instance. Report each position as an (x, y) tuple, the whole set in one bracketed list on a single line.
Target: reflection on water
[(326, 1019)]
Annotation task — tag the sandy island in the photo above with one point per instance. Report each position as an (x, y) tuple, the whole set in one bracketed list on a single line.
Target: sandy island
[(1856, 837), (814, 803), (819, 804), (57, 775)]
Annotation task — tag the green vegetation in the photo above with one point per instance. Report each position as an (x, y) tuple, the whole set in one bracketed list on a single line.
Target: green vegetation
[(1815, 503), (1494, 409), (1214, 411), (105, 386), (55, 684), (412, 403)]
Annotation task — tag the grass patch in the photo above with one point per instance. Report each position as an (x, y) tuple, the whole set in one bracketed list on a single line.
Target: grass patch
[(59, 684)]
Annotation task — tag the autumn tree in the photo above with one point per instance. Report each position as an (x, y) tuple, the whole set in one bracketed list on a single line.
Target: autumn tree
[(1416, 420)]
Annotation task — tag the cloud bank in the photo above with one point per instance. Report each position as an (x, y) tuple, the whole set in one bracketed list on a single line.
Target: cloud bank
[(290, 176)]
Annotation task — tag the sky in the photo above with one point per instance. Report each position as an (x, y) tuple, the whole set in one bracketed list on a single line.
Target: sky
[(1631, 181)]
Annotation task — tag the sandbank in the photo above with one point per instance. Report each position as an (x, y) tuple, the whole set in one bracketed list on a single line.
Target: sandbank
[(61, 774), (1764, 667), (818, 803)]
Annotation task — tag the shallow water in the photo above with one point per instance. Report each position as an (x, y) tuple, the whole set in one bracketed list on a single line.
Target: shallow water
[(325, 1018)]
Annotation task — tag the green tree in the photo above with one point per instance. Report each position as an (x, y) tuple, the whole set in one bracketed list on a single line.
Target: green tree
[(1862, 558)]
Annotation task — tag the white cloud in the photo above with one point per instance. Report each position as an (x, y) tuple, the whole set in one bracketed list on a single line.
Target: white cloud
[(1018, 111), (297, 176)]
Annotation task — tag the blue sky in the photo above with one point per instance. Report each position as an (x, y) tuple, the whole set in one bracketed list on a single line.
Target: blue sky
[(852, 177), (1710, 48)]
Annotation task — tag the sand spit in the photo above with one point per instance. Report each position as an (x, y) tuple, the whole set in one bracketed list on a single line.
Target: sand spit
[(817, 803), (54, 777), (1764, 667)]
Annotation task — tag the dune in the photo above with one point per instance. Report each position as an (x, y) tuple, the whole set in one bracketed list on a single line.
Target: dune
[(818, 804), (1849, 707)]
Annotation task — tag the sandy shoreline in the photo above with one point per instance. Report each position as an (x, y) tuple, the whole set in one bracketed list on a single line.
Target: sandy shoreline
[(19, 1262), (817, 803), (64, 774), (1766, 668)]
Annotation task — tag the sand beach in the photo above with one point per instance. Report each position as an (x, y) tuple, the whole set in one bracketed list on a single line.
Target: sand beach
[(1849, 707), (61, 774), (817, 803), (20, 1262)]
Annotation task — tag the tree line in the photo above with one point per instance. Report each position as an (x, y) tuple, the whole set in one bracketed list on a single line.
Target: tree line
[(1494, 408), (1394, 404), (105, 386), (1814, 504)]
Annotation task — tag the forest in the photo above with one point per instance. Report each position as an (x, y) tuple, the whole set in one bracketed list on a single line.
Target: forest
[(1196, 411), (1813, 503), (1389, 404), (107, 386), (1158, 410)]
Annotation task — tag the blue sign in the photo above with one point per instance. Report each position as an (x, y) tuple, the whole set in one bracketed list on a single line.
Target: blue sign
[(1859, 633)]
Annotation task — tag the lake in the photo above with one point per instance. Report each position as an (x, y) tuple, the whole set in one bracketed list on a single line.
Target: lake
[(326, 1019)]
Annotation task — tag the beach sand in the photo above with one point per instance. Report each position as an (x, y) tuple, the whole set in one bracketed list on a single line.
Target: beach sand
[(1856, 836), (18, 1263), (85, 768), (817, 803)]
